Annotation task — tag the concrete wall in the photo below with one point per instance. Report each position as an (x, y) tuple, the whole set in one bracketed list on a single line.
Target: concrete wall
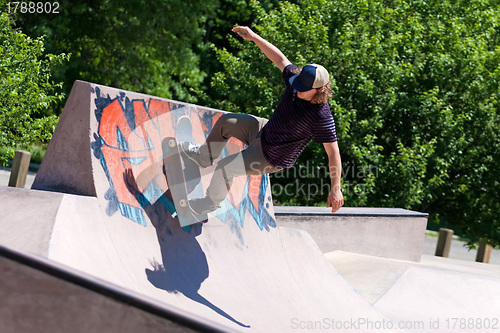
[(383, 232)]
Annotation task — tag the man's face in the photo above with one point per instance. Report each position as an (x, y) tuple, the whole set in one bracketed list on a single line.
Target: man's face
[(307, 95)]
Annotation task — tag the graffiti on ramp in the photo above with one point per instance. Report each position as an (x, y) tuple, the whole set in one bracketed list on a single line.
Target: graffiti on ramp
[(128, 146)]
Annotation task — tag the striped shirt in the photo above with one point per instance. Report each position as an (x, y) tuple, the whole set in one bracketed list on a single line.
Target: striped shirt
[(293, 124)]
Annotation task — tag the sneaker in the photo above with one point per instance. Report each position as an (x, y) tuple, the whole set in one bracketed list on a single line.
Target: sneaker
[(192, 151), (202, 206)]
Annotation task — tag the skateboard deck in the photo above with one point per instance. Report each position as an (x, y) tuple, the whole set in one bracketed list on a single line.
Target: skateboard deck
[(183, 175)]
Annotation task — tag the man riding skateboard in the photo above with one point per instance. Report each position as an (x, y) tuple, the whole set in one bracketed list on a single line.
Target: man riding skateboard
[(302, 115)]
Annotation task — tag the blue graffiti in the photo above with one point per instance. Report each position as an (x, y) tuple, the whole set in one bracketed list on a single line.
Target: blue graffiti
[(231, 212)]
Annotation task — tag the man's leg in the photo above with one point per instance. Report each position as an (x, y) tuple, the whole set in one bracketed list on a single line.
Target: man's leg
[(250, 161), (243, 127)]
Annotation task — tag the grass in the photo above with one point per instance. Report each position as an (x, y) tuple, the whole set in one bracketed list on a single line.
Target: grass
[(37, 152)]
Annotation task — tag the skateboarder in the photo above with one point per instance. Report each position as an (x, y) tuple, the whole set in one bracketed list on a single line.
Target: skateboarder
[(303, 114)]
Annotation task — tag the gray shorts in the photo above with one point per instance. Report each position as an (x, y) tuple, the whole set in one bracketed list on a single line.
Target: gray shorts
[(250, 161)]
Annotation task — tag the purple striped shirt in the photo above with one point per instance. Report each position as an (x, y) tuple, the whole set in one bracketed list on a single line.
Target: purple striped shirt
[(293, 124)]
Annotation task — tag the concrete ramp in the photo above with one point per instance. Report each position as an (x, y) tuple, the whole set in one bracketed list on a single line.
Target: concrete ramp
[(434, 295), (40, 295), (104, 212)]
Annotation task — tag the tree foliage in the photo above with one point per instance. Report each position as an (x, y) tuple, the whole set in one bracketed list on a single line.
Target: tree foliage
[(146, 46), (26, 90), (416, 87)]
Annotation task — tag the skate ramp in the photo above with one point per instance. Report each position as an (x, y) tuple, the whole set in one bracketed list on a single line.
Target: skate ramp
[(41, 295), (436, 294), (107, 215)]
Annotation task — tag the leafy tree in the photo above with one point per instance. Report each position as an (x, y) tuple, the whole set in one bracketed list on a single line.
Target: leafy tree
[(416, 87), (26, 90), (145, 46), (217, 28)]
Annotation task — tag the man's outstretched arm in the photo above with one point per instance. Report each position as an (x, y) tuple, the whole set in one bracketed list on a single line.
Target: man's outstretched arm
[(335, 197), (271, 51)]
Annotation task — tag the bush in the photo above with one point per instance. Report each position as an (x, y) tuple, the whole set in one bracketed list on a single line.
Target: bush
[(26, 91)]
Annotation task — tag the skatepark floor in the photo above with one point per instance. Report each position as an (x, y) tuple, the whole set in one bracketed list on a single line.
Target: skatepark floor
[(373, 276), (458, 250)]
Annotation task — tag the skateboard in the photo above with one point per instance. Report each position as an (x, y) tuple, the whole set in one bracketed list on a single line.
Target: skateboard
[(183, 177)]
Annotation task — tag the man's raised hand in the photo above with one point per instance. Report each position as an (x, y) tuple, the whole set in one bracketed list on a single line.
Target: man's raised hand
[(245, 32), (271, 51)]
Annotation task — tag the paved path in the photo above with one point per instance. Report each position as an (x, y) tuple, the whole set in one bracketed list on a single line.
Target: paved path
[(457, 250), (5, 176)]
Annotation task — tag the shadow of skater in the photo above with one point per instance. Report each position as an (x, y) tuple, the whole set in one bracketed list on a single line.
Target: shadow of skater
[(184, 265)]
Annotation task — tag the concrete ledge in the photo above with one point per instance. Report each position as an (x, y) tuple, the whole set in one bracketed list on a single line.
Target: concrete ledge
[(347, 211), (383, 232)]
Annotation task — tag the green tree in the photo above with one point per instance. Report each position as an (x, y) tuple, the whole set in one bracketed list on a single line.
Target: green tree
[(217, 28), (146, 46), (416, 87), (26, 90)]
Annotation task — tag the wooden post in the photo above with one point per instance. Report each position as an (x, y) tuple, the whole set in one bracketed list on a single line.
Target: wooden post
[(20, 167), (483, 252), (444, 242)]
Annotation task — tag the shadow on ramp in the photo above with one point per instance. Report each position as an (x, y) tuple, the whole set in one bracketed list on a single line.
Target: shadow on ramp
[(184, 265)]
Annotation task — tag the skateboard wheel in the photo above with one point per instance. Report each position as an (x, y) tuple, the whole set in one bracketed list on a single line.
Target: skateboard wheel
[(183, 203), (171, 143)]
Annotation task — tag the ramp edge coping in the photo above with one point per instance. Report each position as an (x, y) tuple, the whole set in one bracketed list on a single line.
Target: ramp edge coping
[(346, 211)]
